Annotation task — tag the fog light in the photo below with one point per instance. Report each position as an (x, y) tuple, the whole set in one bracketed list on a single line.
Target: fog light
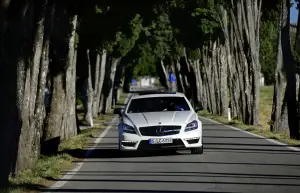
[(129, 143), (189, 139), (192, 140)]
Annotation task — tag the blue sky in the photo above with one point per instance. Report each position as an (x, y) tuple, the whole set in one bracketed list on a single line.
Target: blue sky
[(294, 13)]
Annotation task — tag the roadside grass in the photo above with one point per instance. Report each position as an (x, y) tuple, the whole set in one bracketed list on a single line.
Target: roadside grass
[(265, 108), (47, 168)]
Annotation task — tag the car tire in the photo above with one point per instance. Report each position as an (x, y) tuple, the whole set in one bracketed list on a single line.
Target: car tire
[(198, 150)]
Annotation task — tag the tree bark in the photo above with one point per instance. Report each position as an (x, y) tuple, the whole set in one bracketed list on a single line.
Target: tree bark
[(290, 69), (278, 87), (29, 144), (253, 11), (246, 27), (101, 71), (165, 75), (108, 84), (89, 92), (226, 63), (96, 80), (70, 115), (61, 119), (197, 82), (22, 81), (223, 82), (216, 83), (201, 99), (179, 75), (297, 51)]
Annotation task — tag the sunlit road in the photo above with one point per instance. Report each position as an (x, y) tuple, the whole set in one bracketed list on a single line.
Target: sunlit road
[(233, 161)]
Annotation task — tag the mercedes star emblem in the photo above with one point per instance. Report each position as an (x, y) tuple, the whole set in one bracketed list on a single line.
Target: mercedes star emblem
[(159, 131)]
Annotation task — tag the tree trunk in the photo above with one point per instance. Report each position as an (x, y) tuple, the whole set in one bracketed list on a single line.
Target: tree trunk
[(108, 84), (216, 83), (99, 84), (226, 63), (201, 99), (278, 87), (116, 84), (206, 82), (89, 91), (297, 51), (165, 75), (70, 114), (179, 75), (96, 85), (234, 81), (115, 63), (223, 82), (29, 141), (210, 74), (61, 117), (289, 66), (196, 83), (253, 13), (245, 17), (26, 64), (284, 125)]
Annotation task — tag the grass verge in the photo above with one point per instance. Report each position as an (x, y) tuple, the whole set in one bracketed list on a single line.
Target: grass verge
[(40, 174), (265, 108)]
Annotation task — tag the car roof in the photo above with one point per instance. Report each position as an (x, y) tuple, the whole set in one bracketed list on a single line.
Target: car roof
[(163, 94)]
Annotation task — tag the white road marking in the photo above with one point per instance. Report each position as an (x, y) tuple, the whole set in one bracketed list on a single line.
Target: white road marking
[(98, 140), (255, 135)]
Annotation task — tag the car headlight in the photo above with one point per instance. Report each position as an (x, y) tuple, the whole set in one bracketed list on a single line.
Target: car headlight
[(128, 129), (191, 126)]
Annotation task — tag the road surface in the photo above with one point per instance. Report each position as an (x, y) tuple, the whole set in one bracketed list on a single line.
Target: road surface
[(233, 161)]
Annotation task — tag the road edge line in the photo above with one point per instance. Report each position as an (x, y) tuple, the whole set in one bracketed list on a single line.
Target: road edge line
[(255, 135), (62, 181)]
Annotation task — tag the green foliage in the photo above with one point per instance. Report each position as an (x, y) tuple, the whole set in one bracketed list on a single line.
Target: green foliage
[(195, 54), (268, 50), (125, 39), (161, 33), (268, 39), (208, 21), (177, 48), (146, 63), (197, 22)]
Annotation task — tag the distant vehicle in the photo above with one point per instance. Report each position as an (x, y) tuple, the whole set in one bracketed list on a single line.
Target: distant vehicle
[(160, 121)]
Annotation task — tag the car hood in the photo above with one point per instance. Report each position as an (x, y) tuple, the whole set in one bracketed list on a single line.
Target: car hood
[(154, 118)]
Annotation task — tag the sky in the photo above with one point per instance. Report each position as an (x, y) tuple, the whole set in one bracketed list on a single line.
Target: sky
[(294, 13)]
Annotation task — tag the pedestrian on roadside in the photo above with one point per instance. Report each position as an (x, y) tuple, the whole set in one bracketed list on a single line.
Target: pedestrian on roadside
[(172, 80)]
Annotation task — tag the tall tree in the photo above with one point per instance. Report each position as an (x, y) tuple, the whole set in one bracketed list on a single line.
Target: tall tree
[(290, 69), (61, 118)]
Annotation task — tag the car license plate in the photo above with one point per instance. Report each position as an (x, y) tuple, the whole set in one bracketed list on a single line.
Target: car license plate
[(160, 141)]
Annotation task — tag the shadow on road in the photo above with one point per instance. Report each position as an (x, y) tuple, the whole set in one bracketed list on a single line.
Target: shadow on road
[(180, 181), (127, 191), (112, 152), (218, 163), (182, 174)]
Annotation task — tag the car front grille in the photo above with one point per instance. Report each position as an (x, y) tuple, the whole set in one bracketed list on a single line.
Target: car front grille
[(160, 130)]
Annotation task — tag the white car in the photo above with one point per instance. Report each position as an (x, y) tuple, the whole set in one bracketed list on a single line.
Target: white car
[(160, 121)]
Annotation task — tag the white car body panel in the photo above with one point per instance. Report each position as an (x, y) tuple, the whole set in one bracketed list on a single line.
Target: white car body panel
[(158, 119)]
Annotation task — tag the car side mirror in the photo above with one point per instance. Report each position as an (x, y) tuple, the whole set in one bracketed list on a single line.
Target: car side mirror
[(118, 111), (198, 109)]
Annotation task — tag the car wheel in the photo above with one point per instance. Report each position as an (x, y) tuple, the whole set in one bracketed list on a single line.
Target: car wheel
[(198, 150)]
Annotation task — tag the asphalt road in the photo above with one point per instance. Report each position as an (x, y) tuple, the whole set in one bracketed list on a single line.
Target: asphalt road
[(233, 161)]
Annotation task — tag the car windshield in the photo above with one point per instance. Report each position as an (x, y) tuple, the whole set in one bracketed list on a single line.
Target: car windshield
[(158, 104)]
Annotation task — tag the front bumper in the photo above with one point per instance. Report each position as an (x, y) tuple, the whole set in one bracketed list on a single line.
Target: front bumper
[(183, 140)]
